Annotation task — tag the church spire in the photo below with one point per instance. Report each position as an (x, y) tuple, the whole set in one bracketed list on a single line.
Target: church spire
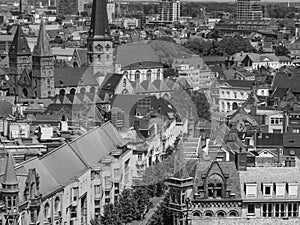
[(42, 47), (10, 177), (19, 44), (99, 22)]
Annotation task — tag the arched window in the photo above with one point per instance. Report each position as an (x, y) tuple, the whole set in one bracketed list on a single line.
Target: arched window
[(92, 90), (72, 91), (75, 64), (148, 75), (233, 214), (124, 82), (235, 106), (208, 214), (215, 186), (196, 215), (220, 214), (82, 90), (158, 74), (57, 205), (137, 75), (125, 92), (62, 92), (47, 211)]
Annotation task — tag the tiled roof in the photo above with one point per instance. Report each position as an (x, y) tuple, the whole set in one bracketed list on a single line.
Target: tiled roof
[(73, 77), (143, 65), (261, 175), (63, 164), (239, 83), (288, 80), (291, 140), (19, 44), (111, 81), (269, 140)]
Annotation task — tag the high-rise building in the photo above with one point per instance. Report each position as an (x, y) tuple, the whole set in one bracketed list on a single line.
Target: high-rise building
[(249, 10), (169, 10)]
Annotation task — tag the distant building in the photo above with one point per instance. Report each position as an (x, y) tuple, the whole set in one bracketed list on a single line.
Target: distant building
[(169, 10), (249, 10)]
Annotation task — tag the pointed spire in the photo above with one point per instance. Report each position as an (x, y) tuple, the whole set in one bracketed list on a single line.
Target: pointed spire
[(99, 22), (19, 44), (10, 177), (42, 47)]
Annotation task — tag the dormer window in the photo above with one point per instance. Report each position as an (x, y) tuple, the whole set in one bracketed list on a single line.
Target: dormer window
[(280, 190), (251, 190), (267, 190), (215, 186)]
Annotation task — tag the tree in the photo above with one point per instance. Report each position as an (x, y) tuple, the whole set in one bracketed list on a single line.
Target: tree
[(60, 17), (110, 216), (202, 105), (232, 45), (170, 72), (281, 51), (163, 215)]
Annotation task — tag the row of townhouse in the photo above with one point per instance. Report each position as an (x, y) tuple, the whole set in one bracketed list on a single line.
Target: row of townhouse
[(70, 184)]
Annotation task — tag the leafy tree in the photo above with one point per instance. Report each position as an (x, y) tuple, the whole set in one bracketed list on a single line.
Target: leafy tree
[(281, 51), (110, 216), (162, 216), (202, 105), (60, 17), (232, 45), (170, 72)]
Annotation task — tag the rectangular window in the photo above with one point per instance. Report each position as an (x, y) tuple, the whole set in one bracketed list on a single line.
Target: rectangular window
[(279, 210), (292, 209), (251, 209), (97, 189), (267, 210), (251, 190), (280, 190), (75, 193), (140, 157), (292, 189), (267, 190), (73, 212)]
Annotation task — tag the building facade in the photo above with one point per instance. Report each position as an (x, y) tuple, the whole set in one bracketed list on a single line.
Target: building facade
[(249, 10), (169, 10)]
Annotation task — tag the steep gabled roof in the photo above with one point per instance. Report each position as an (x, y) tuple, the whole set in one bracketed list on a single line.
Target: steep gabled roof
[(42, 47), (10, 177), (19, 45), (99, 21)]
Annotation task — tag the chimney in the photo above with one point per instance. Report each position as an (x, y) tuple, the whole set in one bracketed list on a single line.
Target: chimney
[(241, 160)]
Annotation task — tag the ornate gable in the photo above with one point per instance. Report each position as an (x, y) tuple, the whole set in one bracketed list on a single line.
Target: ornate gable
[(31, 192)]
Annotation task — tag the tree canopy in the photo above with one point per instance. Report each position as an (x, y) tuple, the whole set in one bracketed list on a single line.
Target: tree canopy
[(232, 45)]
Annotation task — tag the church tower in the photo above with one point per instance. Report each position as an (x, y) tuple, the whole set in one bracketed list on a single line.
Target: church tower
[(10, 191), (19, 58), (100, 44), (42, 66)]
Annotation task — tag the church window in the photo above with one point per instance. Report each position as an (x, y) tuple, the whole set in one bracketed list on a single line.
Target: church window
[(107, 47), (124, 82), (148, 75), (137, 75), (99, 58), (57, 205), (158, 74)]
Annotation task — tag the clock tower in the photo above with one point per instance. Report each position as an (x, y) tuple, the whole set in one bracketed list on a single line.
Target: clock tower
[(100, 44)]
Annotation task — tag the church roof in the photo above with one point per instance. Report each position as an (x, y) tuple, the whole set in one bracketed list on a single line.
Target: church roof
[(19, 44), (99, 21), (10, 177), (73, 77), (42, 48)]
